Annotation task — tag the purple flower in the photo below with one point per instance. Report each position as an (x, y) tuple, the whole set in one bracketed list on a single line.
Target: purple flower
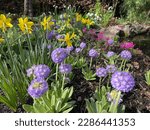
[(69, 49), (122, 81), (51, 35), (30, 71), (110, 54), (58, 55), (93, 53), (82, 45), (126, 55), (101, 72), (49, 46), (111, 68), (37, 87), (112, 96), (42, 71), (77, 50), (65, 68), (59, 37), (110, 41)]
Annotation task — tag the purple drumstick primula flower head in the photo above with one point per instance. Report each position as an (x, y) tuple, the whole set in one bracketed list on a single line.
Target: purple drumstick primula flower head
[(126, 55), (65, 68), (112, 96), (111, 68), (122, 81), (77, 50), (82, 45), (58, 55), (51, 35), (110, 54), (37, 87), (30, 71), (69, 49), (110, 41), (41, 71), (101, 72), (93, 53)]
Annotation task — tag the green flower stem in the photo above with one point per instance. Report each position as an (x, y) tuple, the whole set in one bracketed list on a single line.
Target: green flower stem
[(100, 81), (91, 62), (122, 63), (63, 81), (108, 80), (57, 72)]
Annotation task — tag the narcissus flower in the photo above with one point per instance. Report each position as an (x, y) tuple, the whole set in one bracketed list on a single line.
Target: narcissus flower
[(37, 87), (5, 22), (122, 81), (78, 17), (58, 55), (47, 23), (68, 38), (25, 25), (1, 40)]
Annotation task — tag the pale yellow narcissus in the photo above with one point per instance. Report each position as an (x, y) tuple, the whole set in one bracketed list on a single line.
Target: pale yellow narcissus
[(89, 22), (47, 23), (68, 38), (78, 17), (5, 22), (1, 40), (25, 25)]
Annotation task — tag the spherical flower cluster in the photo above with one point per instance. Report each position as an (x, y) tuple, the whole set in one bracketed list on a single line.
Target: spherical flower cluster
[(30, 71), (49, 46), (37, 87), (65, 68), (41, 71), (110, 54), (58, 55), (51, 35), (122, 81), (127, 45), (69, 49), (82, 45), (101, 72), (126, 55), (110, 41), (93, 53), (59, 36), (77, 50), (112, 96), (111, 68)]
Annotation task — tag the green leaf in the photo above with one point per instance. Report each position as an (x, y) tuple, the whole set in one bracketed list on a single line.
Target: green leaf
[(28, 108)]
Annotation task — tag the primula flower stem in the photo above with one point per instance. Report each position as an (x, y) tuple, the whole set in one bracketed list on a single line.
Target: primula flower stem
[(91, 62), (57, 71), (100, 81), (63, 81)]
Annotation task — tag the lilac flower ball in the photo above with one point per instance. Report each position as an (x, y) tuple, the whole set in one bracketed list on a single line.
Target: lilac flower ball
[(82, 45), (101, 72), (126, 55), (77, 50), (110, 54), (93, 53), (65, 68), (112, 96), (69, 49), (37, 87), (111, 68), (42, 71), (59, 37), (30, 71), (51, 34), (110, 41), (122, 81), (58, 55), (49, 46)]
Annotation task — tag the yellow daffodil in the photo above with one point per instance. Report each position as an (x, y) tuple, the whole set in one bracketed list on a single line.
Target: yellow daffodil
[(68, 38), (67, 23), (5, 22), (83, 20), (47, 23), (89, 22), (1, 40), (78, 17), (25, 25)]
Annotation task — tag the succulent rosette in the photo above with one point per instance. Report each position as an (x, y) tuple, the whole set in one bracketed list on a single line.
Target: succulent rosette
[(58, 55), (122, 81), (37, 87)]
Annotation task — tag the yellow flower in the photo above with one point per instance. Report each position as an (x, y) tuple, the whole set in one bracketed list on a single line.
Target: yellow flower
[(78, 17), (25, 25), (5, 22), (83, 20), (89, 22), (47, 23), (68, 38), (1, 40), (67, 23)]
